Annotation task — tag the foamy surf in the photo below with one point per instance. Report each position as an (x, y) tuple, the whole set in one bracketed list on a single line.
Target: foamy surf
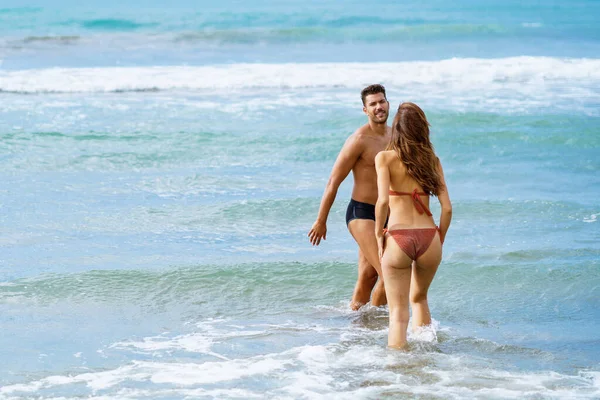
[(315, 371), (506, 85), (466, 73)]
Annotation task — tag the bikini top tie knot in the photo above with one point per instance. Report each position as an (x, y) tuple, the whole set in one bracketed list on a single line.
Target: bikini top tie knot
[(415, 194)]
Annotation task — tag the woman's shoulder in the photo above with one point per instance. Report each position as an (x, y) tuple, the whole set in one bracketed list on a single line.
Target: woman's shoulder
[(386, 156)]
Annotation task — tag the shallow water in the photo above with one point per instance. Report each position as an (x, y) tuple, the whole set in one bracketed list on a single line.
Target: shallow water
[(161, 168)]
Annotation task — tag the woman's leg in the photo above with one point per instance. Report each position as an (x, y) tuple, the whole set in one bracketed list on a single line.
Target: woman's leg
[(396, 274), (423, 271)]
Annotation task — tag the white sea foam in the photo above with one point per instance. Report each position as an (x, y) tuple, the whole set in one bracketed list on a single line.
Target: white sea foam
[(516, 84), (209, 333), (320, 371), (212, 332), (426, 333), (193, 343), (458, 72), (591, 218), (346, 369), (182, 374), (593, 377), (371, 372)]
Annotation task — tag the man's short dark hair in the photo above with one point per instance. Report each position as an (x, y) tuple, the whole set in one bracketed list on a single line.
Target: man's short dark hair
[(372, 89)]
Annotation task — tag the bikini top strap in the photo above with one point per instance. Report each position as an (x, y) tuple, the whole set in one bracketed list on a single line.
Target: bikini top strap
[(419, 205), (394, 193)]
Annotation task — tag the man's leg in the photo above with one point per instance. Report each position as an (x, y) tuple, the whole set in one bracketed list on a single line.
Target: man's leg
[(367, 277), (363, 232), (378, 298)]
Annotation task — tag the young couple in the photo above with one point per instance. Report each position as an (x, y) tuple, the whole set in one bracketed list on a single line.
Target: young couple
[(395, 171)]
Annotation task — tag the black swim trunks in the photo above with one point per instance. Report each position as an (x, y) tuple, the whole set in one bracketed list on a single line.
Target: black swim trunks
[(359, 210)]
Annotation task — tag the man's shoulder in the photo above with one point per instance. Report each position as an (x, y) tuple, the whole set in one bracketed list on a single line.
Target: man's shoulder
[(358, 136), (363, 132)]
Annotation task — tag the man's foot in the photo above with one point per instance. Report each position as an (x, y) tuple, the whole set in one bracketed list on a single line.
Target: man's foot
[(355, 305)]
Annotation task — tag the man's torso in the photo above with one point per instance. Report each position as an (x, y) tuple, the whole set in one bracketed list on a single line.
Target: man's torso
[(365, 176)]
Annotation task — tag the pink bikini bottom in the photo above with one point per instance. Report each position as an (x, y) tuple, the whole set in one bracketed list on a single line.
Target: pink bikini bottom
[(414, 241)]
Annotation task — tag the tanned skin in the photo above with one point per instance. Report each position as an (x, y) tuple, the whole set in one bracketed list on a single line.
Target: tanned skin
[(358, 155)]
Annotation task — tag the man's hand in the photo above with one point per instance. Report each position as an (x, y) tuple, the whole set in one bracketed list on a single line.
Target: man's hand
[(318, 231)]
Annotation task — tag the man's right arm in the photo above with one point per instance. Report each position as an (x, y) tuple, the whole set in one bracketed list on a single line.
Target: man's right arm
[(348, 156)]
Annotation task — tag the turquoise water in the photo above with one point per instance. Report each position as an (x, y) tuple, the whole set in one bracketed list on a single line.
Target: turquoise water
[(162, 166)]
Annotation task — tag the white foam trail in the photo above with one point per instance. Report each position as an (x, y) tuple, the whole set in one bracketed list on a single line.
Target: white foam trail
[(477, 74), (211, 331), (191, 343), (591, 218), (181, 374)]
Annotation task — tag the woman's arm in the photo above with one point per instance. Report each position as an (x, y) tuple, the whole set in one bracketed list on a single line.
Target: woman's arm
[(445, 204), (383, 199)]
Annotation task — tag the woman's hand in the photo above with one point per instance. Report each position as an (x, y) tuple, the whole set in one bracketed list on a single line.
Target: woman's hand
[(380, 245)]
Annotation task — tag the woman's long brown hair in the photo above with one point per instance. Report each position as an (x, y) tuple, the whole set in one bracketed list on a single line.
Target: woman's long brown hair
[(410, 139)]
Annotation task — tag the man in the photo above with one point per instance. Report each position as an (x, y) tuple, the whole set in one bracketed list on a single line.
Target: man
[(358, 155)]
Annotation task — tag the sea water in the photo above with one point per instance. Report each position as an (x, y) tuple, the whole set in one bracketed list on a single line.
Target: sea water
[(162, 164)]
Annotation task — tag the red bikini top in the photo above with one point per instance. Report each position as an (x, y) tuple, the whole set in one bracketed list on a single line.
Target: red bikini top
[(419, 205)]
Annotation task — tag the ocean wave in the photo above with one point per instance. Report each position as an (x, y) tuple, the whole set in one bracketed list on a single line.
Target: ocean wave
[(37, 42), (284, 280), (337, 31), (271, 27), (20, 10), (113, 24), (67, 39), (523, 74)]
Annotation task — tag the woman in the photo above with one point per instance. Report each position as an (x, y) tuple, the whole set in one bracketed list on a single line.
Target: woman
[(408, 172)]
